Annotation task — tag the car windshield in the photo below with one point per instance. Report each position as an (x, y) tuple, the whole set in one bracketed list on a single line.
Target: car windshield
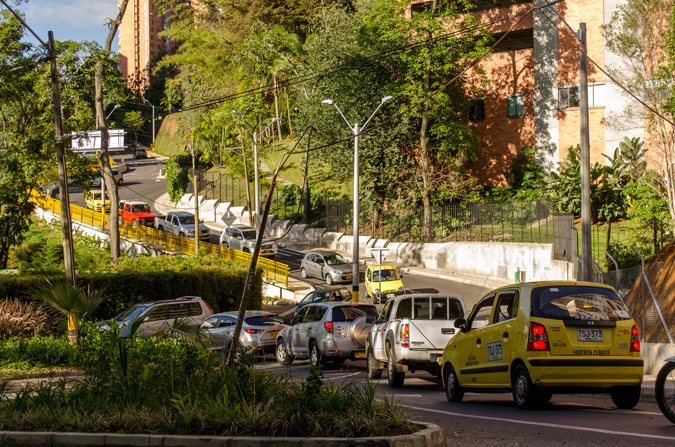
[(349, 313), (187, 220), (387, 275), (578, 303), (97, 195), (140, 208), (335, 259), (249, 234), (262, 320), (131, 313)]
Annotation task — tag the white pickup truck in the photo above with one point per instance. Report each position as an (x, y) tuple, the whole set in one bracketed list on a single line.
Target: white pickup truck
[(410, 334), (182, 223)]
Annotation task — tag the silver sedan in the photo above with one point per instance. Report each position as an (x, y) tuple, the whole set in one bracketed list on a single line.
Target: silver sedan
[(259, 330)]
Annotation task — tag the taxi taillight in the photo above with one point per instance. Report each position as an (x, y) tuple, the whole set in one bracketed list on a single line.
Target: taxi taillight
[(634, 340), (405, 336), (328, 326), (538, 340)]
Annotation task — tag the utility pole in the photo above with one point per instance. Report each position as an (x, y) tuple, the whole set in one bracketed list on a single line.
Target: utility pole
[(585, 159), (67, 229)]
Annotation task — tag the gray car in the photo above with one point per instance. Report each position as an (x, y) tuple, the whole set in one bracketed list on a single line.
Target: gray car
[(259, 330), (327, 331), (327, 265)]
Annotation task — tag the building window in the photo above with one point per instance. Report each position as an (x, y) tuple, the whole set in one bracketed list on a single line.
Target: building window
[(477, 112), (568, 96), (516, 105)]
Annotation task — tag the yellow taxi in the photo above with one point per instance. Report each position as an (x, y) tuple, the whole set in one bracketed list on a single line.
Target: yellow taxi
[(93, 199), (541, 338), (385, 276)]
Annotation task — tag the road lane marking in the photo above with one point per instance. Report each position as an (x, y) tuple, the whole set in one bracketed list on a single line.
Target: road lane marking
[(343, 376), (542, 424)]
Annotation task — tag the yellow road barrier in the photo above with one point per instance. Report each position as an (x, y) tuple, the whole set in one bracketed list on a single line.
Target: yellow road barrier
[(272, 270)]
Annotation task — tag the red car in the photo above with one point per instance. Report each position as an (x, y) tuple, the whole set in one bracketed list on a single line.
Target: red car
[(136, 212)]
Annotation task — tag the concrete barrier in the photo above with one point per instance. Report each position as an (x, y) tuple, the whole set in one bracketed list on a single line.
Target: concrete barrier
[(654, 355), (207, 210), (279, 228)]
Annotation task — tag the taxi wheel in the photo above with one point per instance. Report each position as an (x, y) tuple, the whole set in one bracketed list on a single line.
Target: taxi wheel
[(372, 373), (314, 355), (524, 392), (626, 397), (453, 391), (282, 355), (394, 378)]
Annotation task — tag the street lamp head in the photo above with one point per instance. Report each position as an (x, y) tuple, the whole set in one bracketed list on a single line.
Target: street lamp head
[(275, 119), (387, 98), (327, 101), (237, 113)]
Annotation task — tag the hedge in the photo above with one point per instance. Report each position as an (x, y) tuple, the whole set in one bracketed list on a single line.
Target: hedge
[(221, 288)]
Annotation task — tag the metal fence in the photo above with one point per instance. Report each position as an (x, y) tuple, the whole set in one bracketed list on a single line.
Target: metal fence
[(482, 222), (272, 270)]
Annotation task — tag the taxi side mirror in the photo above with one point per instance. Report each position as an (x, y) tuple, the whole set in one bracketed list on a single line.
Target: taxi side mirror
[(460, 323)]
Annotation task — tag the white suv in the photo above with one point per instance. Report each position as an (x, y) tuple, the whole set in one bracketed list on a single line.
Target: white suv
[(243, 238)]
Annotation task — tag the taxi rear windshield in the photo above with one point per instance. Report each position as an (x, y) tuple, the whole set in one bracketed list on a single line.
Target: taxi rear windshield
[(578, 303)]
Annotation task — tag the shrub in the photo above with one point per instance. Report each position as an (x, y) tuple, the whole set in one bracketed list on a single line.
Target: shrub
[(18, 318)]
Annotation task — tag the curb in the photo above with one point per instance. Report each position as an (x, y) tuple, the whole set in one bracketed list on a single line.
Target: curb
[(430, 435)]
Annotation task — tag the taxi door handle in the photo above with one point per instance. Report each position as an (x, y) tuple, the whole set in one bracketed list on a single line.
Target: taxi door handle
[(505, 335)]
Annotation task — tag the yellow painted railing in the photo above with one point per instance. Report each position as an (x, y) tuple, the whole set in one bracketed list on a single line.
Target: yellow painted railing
[(276, 271)]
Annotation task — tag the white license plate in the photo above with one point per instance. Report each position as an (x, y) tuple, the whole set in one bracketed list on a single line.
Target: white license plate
[(587, 334), (390, 295)]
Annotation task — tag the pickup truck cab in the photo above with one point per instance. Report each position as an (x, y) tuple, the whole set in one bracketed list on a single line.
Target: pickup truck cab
[(182, 223), (136, 212), (410, 333), (243, 238), (384, 276)]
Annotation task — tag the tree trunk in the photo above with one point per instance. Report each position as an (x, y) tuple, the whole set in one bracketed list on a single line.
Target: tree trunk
[(196, 194), (104, 155), (425, 164), (306, 199), (276, 104)]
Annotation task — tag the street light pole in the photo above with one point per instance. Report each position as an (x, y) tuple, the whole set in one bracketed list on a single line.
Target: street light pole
[(256, 177), (153, 122), (355, 243)]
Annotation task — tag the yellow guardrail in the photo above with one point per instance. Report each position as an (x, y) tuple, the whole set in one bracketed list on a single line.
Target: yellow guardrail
[(276, 271)]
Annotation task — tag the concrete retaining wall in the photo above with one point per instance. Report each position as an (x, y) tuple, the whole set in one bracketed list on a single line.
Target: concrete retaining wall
[(654, 355)]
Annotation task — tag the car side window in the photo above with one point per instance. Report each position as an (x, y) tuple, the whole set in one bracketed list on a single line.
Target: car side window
[(300, 316), (227, 322), (439, 308), (309, 316), (386, 310), (404, 309), (507, 306), (157, 313), (481, 313), (320, 312), (369, 274), (210, 323), (192, 309)]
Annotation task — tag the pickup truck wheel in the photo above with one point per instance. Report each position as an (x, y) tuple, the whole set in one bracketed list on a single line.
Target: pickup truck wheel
[(160, 228), (224, 244), (395, 378), (371, 372), (282, 355), (134, 223), (181, 234), (329, 280), (314, 355), (303, 273), (119, 182), (453, 391)]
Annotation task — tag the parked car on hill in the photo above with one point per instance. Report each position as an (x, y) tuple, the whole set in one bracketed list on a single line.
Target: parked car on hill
[(327, 265), (244, 238), (537, 339), (136, 212), (182, 223)]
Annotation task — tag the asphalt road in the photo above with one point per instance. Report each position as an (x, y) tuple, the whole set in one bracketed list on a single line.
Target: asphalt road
[(488, 420)]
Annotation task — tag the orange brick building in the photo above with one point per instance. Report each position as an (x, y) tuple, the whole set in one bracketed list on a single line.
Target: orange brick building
[(139, 42), (533, 95)]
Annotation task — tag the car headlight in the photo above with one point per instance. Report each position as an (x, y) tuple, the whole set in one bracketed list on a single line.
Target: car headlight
[(400, 289)]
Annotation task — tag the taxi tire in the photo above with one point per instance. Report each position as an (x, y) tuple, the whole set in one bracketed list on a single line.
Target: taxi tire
[(453, 390), (314, 355), (394, 378), (626, 397), (281, 353), (372, 373), (524, 392)]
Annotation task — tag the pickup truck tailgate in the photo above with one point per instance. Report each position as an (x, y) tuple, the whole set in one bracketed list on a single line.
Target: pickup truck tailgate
[(430, 334)]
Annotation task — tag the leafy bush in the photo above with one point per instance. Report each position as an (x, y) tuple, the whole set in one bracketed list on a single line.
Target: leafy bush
[(18, 318), (38, 351)]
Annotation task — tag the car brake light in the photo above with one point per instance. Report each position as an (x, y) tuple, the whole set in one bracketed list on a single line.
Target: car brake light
[(634, 340), (254, 331), (405, 336), (208, 307), (538, 338), (328, 326)]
